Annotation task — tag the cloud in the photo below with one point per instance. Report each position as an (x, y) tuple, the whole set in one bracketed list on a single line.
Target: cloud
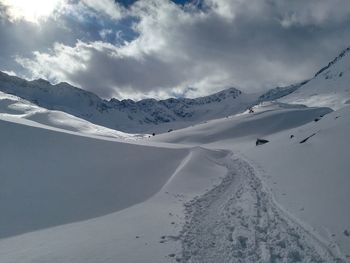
[(104, 33), (32, 11), (59, 64), (312, 12), (107, 7), (196, 48), (38, 10)]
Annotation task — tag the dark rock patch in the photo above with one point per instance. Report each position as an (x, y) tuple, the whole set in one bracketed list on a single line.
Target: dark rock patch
[(307, 138), (260, 141)]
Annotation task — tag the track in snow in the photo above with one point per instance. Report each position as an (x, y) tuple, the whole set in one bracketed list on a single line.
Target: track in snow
[(237, 221)]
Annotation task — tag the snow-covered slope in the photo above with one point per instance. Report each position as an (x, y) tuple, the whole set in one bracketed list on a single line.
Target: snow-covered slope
[(50, 178), (268, 118), (279, 92), (306, 169), (114, 202), (14, 108), (329, 88), (72, 198), (148, 115), (206, 193), (309, 176)]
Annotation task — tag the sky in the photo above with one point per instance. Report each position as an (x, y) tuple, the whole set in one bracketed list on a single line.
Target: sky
[(162, 48)]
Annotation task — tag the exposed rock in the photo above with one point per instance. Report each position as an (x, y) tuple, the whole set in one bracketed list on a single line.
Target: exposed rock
[(260, 141), (307, 138)]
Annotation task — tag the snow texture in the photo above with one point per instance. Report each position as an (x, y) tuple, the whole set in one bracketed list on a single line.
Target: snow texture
[(73, 191), (238, 221)]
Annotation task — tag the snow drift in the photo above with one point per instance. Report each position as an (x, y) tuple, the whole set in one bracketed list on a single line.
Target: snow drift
[(51, 178)]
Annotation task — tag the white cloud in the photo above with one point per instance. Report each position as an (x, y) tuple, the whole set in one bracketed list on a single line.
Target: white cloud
[(226, 43), (31, 11), (61, 61), (231, 9), (312, 12), (105, 32), (108, 7)]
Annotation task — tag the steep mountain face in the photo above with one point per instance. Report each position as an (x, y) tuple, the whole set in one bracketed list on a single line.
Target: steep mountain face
[(148, 115), (330, 87)]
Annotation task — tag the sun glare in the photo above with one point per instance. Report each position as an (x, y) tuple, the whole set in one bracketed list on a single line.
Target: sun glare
[(30, 10)]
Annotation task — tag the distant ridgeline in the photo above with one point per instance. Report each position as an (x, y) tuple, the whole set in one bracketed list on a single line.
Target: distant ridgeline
[(148, 115)]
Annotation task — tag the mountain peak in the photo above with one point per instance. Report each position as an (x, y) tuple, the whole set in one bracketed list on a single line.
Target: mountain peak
[(41, 81), (126, 115), (230, 90), (221, 95)]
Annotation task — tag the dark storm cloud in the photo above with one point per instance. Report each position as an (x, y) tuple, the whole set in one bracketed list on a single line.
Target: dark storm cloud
[(158, 48)]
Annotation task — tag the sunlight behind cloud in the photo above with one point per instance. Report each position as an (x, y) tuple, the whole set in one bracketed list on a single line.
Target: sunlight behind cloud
[(32, 10)]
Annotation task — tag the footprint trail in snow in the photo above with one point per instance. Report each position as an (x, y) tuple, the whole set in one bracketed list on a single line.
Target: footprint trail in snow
[(237, 221)]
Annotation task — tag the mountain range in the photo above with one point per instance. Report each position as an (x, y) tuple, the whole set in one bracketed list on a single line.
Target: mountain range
[(151, 115)]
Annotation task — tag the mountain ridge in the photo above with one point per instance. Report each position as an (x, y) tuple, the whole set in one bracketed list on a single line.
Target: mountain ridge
[(151, 115), (126, 115), (328, 88), (340, 56)]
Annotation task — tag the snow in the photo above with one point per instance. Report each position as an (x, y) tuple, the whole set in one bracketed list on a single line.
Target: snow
[(238, 221), (105, 209), (72, 191), (82, 188), (329, 88), (14, 108), (309, 182), (269, 118), (76, 185), (144, 116)]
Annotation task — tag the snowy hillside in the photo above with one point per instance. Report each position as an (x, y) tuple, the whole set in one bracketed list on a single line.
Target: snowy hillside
[(17, 109), (269, 184), (279, 92), (329, 88), (145, 116), (268, 119), (51, 177), (72, 198), (216, 197), (305, 169), (309, 176)]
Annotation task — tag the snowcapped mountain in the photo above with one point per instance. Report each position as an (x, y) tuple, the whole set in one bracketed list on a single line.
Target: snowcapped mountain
[(15, 109), (148, 115), (330, 87), (279, 92)]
